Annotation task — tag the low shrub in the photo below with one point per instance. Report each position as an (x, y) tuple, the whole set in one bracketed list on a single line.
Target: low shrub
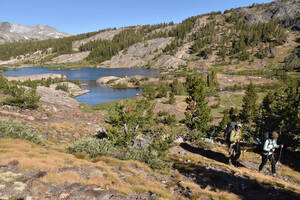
[(172, 99), (43, 82), (166, 118), (18, 95), (121, 86), (63, 87), (21, 97), (145, 78), (149, 91), (123, 76), (134, 81), (111, 81), (93, 147), (151, 157), (16, 129)]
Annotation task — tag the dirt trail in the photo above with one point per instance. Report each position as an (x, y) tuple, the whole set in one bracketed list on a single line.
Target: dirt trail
[(209, 169)]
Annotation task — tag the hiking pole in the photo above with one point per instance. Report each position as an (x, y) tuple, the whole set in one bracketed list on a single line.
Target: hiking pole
[(279, 154)]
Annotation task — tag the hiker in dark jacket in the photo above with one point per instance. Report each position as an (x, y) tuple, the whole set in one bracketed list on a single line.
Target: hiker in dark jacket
[(234, 148), (268, 152)]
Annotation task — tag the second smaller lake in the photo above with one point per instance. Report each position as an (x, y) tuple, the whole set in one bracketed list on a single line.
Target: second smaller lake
[(98, 94)]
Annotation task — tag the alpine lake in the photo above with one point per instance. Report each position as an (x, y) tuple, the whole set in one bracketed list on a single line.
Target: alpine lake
[(98, 93)]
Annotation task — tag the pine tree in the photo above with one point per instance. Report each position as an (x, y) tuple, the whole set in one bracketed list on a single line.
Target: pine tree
[(171, 99), (149, 91), (280, 112), (223, 52), (233, 114), (177, 87), (225, 120), (212, 80), (249, 109), (197, 115)]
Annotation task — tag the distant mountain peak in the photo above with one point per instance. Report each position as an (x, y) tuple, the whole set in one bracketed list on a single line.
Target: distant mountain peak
[(16, 32)]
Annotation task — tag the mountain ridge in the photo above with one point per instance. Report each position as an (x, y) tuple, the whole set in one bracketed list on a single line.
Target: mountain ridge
[(15, 32)]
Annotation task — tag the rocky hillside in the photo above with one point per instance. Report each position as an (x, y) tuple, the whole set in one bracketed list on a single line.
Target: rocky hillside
[(255, 33), (15, 32)]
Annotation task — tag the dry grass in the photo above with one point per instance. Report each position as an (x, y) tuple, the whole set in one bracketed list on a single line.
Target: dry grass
[(31, 156), (198, 192), (130, 176)]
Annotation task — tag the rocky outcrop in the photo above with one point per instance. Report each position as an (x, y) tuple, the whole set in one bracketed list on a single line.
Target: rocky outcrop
[(35, 77), (184, 51), (71, 58), (56, 97), (112, 81), (164, 29), (15, 32), (73, 89), (139, 54), (27, 184), (106, 79), (287, 11), (168, 61)]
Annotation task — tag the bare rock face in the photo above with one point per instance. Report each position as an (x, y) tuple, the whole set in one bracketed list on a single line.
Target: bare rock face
[(70, 58), (285, 10), (139, 54), (183, 51), (56, 97), (104, 80), (35, 77), (169, 62), (15, 32), (164, 29)]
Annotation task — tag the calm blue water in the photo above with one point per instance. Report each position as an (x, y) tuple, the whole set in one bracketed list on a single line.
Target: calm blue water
[(98, 94)]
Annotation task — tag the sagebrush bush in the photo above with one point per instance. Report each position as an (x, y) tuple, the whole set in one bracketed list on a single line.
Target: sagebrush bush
[(103, 147), (93, 146), (16, 129), (151, 157)]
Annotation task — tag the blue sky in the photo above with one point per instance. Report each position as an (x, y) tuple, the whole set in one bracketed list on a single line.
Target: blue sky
[(80, 16)]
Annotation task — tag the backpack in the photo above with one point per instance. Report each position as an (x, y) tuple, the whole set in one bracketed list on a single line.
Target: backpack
[(230, 126), (263, 138)]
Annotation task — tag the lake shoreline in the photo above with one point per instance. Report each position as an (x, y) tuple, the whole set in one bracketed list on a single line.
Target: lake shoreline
[(72, 66), (88, 76)]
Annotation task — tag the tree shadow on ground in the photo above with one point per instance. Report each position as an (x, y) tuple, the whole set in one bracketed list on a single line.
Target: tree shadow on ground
[(206, 153), (220, 157), (225, 180), (291, 159), (288, 158)]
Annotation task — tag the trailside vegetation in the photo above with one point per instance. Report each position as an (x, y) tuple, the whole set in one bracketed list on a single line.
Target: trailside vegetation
[(134, 134), (197, 115), (16, 129), (20, 96)]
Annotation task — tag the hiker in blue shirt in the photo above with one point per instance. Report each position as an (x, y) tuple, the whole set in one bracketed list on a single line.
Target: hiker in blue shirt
[(268, 152)]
